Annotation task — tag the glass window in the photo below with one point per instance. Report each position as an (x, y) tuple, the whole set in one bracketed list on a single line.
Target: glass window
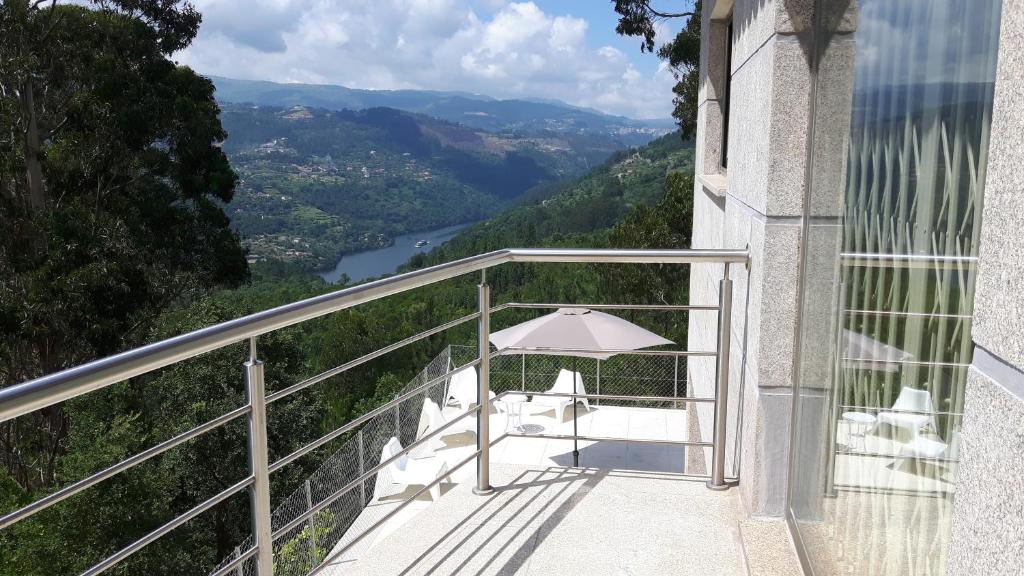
[(903, 102)]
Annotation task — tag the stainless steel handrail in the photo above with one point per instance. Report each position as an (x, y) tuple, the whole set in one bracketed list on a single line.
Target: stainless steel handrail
[(682, 399), (141, 543), (295, 522), (113, 470), (517, 350), (53, 388), (367, 357), (610, 439), (652, 307), (918, 261), (364, 418)]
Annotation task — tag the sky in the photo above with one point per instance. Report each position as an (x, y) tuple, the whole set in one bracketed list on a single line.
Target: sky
[(556, 49)]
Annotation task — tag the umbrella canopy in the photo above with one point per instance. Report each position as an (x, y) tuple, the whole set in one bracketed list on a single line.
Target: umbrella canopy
[(865, 352), (580, 329)]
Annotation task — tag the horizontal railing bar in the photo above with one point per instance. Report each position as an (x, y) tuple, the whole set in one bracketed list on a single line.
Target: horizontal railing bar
[(364, 418), (613, 396), (906, 260), (72, 489), (659, 307), (896, 410), (134, 547), (909, 314), (629, 256), (910, 362), (337, 553), (897, 456), (223, 570), (610, 439), (295, 522), (367, 357), (517, 350), (53, 388)]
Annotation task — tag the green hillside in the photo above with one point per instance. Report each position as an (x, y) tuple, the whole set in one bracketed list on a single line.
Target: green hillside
[(581, 211), (317, 183)]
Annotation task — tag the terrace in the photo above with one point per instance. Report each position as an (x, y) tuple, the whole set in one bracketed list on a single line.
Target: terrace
[(645, 471)]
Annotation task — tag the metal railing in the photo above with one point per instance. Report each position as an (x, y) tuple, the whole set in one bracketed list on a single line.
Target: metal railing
[(52, 389)]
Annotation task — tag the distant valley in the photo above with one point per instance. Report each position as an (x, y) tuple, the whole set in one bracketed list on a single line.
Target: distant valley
[(318, 183)]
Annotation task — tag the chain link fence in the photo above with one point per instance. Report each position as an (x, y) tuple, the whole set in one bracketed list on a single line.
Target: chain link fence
[(623, 375), (305, 546)]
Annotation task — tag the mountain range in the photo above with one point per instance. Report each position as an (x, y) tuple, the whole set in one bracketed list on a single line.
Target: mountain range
[(532, 116)]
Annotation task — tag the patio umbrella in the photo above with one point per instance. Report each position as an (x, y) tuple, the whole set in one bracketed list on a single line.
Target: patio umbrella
[(576, 332), (864, 352)]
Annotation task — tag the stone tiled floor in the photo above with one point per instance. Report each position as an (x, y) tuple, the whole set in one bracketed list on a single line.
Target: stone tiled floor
[(555, 520), (538, 454)]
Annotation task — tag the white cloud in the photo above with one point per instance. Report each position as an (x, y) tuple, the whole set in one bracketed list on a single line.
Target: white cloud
[(519, 51)]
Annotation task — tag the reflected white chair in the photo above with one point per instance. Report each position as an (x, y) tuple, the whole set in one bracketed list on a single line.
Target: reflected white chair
[(462, 389), (408, 472), (563, 385), (431, 419), (913, 411), (921, 447)]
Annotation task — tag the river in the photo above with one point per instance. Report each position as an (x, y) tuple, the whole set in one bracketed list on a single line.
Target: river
[(362, 265)]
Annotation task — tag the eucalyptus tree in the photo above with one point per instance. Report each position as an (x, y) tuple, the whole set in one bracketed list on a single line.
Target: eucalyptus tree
[(112, 184)]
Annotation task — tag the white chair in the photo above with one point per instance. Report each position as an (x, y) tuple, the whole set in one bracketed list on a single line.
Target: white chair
[(432, 419), (408, 472), (931, 448), (915, 411), (462, 389), (563, 384)]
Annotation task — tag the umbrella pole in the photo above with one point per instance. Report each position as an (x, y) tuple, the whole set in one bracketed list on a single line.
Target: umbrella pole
[(575, 435)]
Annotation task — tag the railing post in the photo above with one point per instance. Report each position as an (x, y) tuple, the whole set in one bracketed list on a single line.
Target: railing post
[(717, 481), (362, 468), (483, 401), (238, 569), (398, 419), (309, 524), (837, 375), (522, 385), (675, 382), (259, 462)]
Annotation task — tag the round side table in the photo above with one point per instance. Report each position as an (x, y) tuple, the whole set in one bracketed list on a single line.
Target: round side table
[(859, 423)]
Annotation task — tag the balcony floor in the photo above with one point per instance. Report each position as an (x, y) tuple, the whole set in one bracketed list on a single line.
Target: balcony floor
[(533, 454), (557, 520)]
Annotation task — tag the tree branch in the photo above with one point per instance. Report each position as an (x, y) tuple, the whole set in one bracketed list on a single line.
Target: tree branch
[(659, 14)]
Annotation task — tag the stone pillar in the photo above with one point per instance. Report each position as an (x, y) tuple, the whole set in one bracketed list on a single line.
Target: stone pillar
[(988, 510), (757, 203)]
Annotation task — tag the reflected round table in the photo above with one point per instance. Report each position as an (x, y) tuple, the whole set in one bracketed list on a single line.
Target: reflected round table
[(859, 423)]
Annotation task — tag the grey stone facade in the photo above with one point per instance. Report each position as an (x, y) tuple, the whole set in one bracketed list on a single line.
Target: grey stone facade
[(760, 209), (988, 511)]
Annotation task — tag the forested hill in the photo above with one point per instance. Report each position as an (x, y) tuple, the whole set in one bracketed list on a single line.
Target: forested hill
[(481, 112), (584, 211), (317, 183)]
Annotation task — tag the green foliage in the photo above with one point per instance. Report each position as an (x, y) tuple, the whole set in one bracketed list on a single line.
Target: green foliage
[(303, 552), (318, 183), (111, 187), (639, 18)]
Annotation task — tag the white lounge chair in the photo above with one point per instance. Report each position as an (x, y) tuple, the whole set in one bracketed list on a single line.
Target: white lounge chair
[(462, 389), (563, 384), (408, 472), (432, 419), (915, 411)]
